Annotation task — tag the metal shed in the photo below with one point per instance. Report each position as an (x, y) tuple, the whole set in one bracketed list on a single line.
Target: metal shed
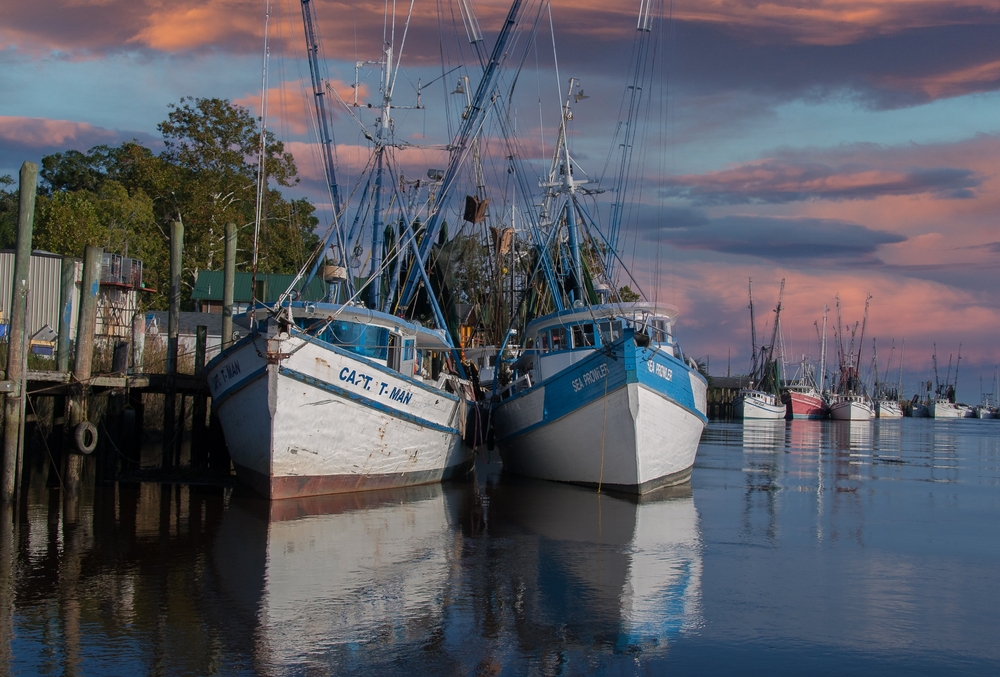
[(44, 273)]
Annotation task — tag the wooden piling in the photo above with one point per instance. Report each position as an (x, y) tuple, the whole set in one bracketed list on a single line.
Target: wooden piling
[(199, 427), (173, 329), (138, 342), (83, 360), (17, 342), (228, 283), (67, 287)]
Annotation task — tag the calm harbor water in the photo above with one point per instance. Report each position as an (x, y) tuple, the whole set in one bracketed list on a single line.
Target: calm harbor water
[(808, 546)]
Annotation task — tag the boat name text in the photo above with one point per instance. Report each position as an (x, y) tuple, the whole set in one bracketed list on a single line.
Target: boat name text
[(356, 378), (660, 370), (225, 374), (590, 377)]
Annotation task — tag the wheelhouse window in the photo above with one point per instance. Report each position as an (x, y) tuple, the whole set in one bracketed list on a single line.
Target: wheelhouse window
[(361, 339), (583, 335), (559, 341), (543, 341), (611, 331)]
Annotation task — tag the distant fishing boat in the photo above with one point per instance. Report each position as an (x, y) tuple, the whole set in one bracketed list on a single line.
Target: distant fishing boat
[(886, 394), (850, 401), (803, 396), (943, 404), (762, 399)]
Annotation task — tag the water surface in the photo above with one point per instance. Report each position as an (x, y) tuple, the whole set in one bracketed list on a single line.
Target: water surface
[(826, 547)]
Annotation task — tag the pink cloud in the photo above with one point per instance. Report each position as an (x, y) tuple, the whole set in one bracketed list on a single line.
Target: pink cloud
[(44, 133)]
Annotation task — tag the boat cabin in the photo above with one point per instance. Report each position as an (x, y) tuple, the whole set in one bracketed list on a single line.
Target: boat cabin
[(559, 340), (403, 346)]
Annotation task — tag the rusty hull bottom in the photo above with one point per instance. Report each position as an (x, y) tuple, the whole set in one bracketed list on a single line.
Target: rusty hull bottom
[(321, 485)]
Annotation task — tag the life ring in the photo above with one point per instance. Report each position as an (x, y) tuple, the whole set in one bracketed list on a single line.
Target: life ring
[(85, 436)]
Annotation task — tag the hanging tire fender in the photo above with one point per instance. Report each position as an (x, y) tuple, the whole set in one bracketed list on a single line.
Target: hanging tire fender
[(85, 437)]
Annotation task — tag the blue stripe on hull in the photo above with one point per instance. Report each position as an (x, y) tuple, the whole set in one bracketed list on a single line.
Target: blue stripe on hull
[(603, 373), (360, 399)]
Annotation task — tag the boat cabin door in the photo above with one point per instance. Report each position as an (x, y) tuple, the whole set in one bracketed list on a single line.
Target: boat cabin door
[(393, 353)]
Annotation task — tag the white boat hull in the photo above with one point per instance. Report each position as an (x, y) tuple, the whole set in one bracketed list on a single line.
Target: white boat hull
[(888, 409), (625, 425), (851, 410), (984, 412), (313, 419), (945, 409), (632, 439), (757, 408)]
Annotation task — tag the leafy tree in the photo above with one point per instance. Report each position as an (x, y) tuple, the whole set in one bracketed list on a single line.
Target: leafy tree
[(124, 197), (8, 212), (627, 295)]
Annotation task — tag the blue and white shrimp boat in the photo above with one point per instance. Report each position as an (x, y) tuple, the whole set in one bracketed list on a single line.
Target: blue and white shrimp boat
[(603, 398), (339, 399)]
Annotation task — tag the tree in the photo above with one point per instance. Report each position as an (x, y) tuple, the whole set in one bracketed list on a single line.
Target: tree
[(124, 197), (8, 212), (627, 295)]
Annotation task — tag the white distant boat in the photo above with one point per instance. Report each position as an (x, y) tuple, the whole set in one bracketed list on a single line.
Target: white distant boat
[(758, 405), (943, 408), (888, 409), (328, 406), (985, 411), (852, 408)]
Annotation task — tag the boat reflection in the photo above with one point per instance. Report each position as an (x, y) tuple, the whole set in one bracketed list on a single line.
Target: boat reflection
[(333, 578), (600, 571), (851, 436), (764, 435)]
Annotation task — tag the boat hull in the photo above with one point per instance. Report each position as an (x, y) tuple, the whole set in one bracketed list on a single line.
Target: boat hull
[(984, 412), (887, 409), (851, 410), (306, 418), (755, 408), (945, 409), (804, 405), (630, 421)]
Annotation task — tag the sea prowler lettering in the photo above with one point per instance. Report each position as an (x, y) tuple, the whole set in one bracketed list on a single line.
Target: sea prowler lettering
[(356, 378), (225, 374), (590, 377), (660, 370)]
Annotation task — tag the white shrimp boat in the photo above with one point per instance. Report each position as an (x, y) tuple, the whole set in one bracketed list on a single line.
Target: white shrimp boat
[(943, 408), (758, 405), (604, 398), (851, 408), (886, 408), (310, 411)]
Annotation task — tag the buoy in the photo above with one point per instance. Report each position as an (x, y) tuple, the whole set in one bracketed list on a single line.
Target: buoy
[(85, 437)]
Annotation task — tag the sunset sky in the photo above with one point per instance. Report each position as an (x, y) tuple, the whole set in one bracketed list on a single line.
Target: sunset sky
[(847, 146)]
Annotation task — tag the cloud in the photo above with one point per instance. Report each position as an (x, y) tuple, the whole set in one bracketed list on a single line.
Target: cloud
[(43, 133), (781, 239), (775, 181)]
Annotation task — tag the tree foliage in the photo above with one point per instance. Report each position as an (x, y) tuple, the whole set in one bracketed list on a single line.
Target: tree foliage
[(123, 198)]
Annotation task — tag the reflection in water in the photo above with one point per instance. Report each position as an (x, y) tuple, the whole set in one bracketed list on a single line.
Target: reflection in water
[(331, 578), (871, 559), (599, 570)]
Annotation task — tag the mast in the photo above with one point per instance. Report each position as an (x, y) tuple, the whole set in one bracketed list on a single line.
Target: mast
[(378, 227), (861, 340), (956, 369), (822, 352), (899, 382), (937, 381), (875, 366), (753, 330), (326, 139)]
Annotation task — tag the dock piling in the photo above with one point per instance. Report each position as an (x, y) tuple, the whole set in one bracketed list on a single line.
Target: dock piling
[(173, 328), (228, 283), (83, 360), (17, 343)]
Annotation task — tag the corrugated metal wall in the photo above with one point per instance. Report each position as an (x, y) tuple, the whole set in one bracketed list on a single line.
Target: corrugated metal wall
[(44, 275)]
